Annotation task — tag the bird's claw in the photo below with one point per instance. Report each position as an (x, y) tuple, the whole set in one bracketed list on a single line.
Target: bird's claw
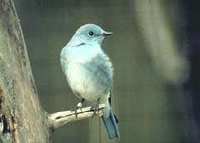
[(78, 107), (95, 110)]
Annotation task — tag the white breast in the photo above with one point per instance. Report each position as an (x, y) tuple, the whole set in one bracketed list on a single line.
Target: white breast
[(81, 82), (80, 79)]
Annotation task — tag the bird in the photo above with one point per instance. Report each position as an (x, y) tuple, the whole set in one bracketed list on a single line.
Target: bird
[(89, 72)]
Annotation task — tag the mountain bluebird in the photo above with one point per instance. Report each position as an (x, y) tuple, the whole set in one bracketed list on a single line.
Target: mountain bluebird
[(89, 71)]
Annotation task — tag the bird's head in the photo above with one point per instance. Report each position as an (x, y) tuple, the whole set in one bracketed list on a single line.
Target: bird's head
[(91, 33)]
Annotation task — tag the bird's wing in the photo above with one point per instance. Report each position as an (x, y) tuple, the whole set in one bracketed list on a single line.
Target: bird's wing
[(101, 69)]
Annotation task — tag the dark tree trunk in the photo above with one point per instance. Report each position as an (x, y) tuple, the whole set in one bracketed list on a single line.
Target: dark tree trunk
[(21, 118)]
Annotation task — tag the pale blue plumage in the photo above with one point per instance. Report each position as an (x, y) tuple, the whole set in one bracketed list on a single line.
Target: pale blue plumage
[(89, 71)]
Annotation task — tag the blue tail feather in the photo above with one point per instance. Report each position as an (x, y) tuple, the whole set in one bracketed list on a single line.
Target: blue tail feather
[(111, 125)]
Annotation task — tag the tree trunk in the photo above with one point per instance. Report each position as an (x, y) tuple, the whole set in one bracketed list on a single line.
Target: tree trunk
[(22, 119)]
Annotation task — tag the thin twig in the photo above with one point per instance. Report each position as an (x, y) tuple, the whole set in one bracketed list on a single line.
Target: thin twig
[(59, 119)]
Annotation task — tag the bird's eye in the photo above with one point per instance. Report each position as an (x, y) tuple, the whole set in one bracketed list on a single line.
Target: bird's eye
[(91, 33)]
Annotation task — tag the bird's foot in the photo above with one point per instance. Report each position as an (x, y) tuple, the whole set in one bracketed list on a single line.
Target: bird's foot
[(79, 107), (95, 110)]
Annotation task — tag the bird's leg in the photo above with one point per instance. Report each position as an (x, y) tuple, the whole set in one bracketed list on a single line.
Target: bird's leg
[(79, 106), (96, 107)]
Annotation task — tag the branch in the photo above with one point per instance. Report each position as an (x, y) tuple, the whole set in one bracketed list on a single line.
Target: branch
[(59, 119)]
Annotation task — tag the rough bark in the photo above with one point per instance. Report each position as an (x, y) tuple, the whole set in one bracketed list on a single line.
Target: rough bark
[(21, 115)]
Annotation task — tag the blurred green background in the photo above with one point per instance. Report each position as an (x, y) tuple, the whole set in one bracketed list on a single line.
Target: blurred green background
[(147, 51)]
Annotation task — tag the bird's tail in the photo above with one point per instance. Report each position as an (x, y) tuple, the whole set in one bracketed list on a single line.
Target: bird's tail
[(111, 124)]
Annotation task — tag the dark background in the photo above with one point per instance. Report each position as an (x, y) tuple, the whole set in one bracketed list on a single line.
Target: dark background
[(155, 53)]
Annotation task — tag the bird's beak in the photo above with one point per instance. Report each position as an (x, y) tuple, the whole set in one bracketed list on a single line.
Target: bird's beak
[(106, 33)]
